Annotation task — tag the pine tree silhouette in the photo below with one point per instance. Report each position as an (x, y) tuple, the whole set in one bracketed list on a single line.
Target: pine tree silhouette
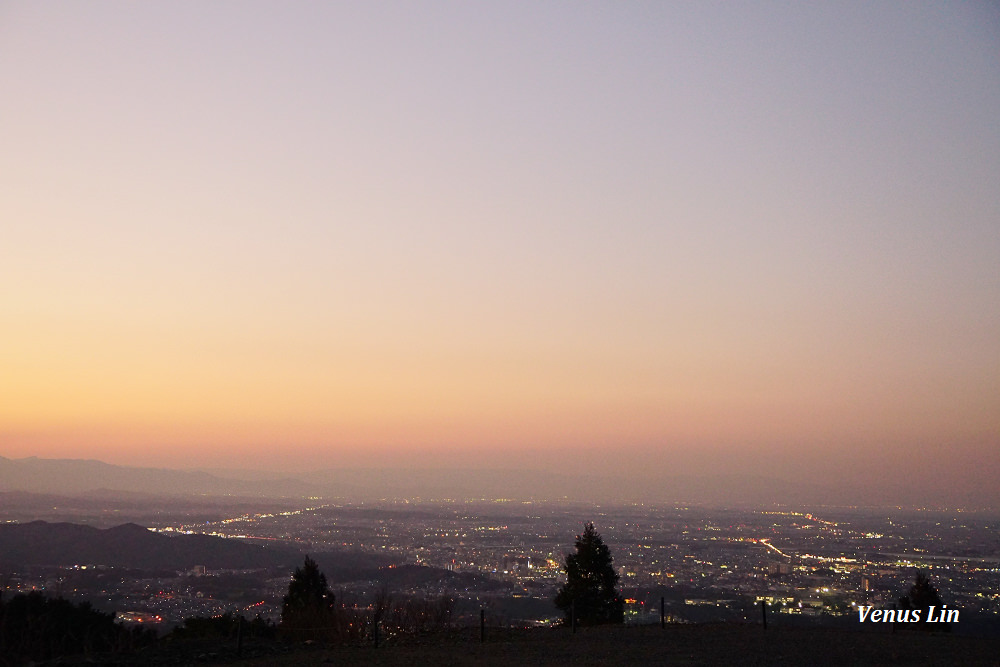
[(590, 595), (307, 611)]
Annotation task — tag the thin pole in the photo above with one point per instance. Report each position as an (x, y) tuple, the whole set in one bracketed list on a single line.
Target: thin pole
[(482, 626), (763, 612), (663, 613)]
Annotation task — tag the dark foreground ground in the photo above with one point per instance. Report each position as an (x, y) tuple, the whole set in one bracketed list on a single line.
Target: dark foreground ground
[(649, 645)]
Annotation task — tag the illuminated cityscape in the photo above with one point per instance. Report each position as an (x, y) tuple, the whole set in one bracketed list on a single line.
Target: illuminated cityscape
[(507, 556)]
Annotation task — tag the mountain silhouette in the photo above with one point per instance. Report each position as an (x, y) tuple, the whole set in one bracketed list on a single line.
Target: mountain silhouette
[(129, 545)]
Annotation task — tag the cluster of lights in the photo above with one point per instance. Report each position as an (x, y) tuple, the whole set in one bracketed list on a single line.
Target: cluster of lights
[(830, 559)]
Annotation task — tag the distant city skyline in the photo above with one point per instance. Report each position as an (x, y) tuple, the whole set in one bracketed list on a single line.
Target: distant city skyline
[(634, 238)]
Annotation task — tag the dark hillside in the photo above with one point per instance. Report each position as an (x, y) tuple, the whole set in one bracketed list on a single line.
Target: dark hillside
[(130, 546)]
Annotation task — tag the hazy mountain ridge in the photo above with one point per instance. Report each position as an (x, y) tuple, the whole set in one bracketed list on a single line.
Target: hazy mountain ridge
[(75, 477)]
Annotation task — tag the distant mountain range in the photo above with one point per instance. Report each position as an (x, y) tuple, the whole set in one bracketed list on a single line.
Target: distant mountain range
[(41, 543), (74, 477)]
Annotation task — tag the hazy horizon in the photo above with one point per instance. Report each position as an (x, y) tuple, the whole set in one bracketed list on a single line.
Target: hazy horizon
[(634, 238), (90, 480)]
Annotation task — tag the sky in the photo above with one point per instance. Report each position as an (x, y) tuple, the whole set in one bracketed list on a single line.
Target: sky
[(645, 238)]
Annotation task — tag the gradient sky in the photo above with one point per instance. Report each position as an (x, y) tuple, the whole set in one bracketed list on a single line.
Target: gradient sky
[(623, 237)]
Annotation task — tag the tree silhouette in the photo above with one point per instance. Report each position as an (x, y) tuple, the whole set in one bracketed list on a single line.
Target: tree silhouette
[(923, 596), (307, 611), (590, 595)]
